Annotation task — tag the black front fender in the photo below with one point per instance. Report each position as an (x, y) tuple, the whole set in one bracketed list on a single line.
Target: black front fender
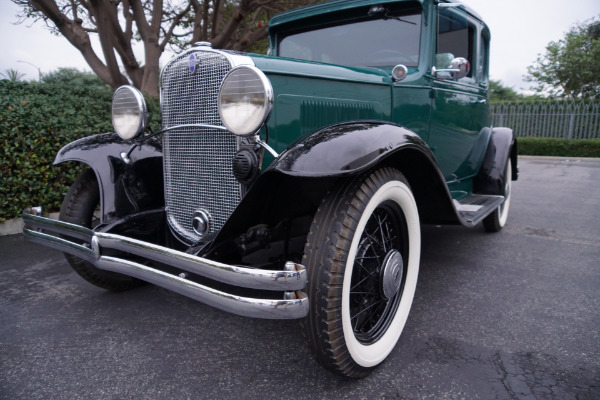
[(296, 182), (347, 149), (124, 187)]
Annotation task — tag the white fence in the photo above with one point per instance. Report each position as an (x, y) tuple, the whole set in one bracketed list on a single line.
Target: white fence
[(550, 119)]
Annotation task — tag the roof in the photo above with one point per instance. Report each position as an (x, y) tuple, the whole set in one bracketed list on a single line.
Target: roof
[(339, 5)]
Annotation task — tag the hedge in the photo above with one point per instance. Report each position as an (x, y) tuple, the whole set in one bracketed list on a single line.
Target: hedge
[(559, 147), (36, 120)]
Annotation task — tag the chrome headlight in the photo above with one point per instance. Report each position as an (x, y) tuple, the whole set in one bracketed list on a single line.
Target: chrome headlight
[(245, 100), (129, 112)]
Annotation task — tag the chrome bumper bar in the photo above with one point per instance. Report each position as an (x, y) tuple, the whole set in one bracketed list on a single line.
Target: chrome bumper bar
[(291, 280)]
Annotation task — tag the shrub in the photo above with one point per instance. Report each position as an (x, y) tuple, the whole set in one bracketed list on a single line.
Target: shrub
[(559, 147), (37, 120)]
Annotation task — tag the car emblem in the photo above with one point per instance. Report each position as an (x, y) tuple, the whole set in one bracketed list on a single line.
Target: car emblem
[(192, 63)]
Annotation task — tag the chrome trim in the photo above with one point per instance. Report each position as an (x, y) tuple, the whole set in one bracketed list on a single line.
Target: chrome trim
[(201, 222), (59, 227), (290, 280), (459, 68), (125, 155), (234, 59), (197, 155), (142, 107), (60, 244), (222, 128), (249, 307), (267, 147), (230, 274), (450, 5), (399, 72), (267, 103)]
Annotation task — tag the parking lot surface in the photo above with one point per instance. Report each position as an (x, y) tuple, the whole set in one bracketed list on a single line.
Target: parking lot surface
[(512, 315)]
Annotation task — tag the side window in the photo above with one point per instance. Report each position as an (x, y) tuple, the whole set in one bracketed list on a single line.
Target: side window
[(483, 61), (455, 38)]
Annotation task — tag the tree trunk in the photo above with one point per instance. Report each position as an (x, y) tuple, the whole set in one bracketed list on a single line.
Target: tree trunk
[(226, 23)]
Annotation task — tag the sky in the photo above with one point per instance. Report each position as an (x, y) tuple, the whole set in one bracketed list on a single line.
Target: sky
[(521, 30)]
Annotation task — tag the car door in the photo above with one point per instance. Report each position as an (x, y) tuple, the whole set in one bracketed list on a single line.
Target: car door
[(459, 112)]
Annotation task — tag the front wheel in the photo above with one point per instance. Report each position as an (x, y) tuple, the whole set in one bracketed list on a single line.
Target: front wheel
[(79, 208), (362, 255)]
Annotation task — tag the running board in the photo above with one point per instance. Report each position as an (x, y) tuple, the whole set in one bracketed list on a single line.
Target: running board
[(474, 208)]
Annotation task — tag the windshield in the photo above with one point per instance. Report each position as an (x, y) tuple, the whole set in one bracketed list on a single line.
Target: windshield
[(388, 41)]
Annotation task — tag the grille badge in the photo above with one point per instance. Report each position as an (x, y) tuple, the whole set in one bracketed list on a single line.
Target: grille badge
[(192, 63)]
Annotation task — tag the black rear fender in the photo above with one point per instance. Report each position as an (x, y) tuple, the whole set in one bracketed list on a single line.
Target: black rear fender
[(491, 176)]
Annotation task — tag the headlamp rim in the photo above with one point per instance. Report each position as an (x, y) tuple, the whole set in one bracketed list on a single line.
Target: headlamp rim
[(142, 107), (267, 103)]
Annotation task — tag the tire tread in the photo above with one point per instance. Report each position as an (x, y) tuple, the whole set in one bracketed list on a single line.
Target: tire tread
[(327, 246)]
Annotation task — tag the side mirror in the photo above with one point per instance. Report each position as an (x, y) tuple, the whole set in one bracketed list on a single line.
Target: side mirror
[(458, 68)]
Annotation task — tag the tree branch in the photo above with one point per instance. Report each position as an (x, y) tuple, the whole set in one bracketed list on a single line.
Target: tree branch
[(76, 35), (240, 13), (174, 24), (250, 38), (102, 10)]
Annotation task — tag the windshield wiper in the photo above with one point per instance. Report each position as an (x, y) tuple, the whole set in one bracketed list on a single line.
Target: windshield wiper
[(379, 10)]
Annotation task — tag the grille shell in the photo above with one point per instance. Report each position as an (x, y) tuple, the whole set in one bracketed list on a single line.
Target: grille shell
[(197, 161)]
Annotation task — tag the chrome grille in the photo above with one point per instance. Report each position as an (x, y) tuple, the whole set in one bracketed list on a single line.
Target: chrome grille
[(197, 161)]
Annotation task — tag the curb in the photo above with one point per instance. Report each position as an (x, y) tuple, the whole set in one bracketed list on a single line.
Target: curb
[(557, 158), (15, 226)]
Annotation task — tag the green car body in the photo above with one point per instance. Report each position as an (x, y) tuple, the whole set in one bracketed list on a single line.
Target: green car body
[(449, 115), (293, 185)]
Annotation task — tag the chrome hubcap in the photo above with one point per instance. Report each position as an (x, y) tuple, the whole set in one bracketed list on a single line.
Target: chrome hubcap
[(391, 274)]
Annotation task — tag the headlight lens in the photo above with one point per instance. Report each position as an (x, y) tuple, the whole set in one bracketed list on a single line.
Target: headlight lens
[(245, 100), (129, 112)]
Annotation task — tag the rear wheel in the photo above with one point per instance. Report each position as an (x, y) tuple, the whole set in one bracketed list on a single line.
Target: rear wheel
[(362, 254), (80, 207), (497, 219)]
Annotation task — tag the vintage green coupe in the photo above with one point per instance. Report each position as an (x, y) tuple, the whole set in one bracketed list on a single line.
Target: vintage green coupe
[(294, 184)]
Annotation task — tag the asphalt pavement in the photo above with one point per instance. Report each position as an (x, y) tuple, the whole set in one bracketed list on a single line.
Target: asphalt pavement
[(512, 315)]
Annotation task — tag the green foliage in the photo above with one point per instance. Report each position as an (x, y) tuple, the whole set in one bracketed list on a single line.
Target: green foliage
[(559, 147), (72, 76), (12, 75), (499, 92), (571, 66), (37, 120)]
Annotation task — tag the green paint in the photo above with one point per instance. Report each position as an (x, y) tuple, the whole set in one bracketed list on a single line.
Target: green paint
[(450, 115)]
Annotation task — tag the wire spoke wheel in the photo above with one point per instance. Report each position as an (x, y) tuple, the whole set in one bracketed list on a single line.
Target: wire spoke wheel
[(370, 308), (362, 254)]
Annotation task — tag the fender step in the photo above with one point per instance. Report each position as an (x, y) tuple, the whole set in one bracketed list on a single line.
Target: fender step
[(474, 208)]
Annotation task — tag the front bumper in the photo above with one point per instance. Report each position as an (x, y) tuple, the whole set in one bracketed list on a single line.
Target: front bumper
[(290, 281)]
